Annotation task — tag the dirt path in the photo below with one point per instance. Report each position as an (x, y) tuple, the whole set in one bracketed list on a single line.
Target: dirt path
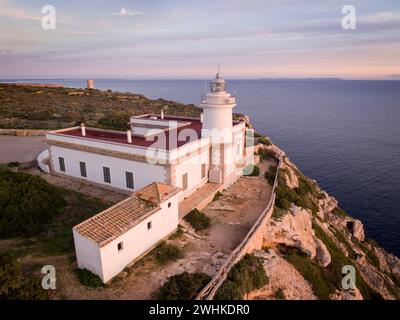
[(20, 149), (232, 216)]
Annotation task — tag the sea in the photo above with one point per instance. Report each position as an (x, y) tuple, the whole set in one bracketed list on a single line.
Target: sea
[(345, 134)]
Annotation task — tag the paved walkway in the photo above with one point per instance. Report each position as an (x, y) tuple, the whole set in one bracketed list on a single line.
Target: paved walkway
[(199, 199), (20, 149)]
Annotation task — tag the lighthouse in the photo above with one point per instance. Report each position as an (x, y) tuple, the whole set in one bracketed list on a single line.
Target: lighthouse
[(217, 123)]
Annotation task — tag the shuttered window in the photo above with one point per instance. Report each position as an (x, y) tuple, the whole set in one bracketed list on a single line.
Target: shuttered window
[(107, 175), (82, 166), (61, 162), (129, 180)]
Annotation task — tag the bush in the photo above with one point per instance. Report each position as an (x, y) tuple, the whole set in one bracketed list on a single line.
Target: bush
[(265, 141), (198, 220), (27, 204), (177, 234), (164, 253), (245, 276), (89, 279), (340, 212), (184, 286), (251, 171), (15, 285), (116, 121), (270, 174)]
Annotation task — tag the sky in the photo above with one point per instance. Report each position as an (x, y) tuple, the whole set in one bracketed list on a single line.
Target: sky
[(157, 39)]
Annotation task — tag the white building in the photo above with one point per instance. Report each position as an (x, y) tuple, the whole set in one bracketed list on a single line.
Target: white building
[(180, 152)]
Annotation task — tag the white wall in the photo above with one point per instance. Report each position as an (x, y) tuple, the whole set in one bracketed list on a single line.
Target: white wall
[(191, 166), (135, 242), (143, 172), (87, 254)]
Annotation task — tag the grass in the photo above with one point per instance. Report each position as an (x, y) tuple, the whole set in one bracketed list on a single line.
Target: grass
[(340, 212), (88, 279), (198, 220), (165, 253), (245, 276), (184, 286), (177, 234), (278, 213)]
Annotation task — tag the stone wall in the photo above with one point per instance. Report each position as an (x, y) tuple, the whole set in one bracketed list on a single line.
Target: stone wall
[(252, 241), (22, 132)]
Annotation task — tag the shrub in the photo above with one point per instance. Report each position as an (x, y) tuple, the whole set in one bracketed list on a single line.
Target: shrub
[(15, 285), (245, 276), (340, 212), (89, 279), (265, 141), (165, 252), (177, 234), (217, 196), (27, 204), (270, 174), (184, 286), (198, 220), (115, 121), (279, 294), (251, 171)]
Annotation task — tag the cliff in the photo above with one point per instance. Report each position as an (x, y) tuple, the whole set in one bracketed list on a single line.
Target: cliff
[(308, 241)]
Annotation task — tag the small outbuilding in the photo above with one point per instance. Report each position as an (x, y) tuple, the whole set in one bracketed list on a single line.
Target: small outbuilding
[(107, 242)]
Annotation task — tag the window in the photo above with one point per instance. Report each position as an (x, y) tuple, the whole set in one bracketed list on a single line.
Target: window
[(203, 170), (82, 165), (61, 162), (106, 173), (120, 246), (129, 180), (185, 181), (149, 225), (169, 204)]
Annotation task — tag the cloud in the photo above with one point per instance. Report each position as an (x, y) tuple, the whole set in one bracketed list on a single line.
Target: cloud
[(16, 13), (127, 13)]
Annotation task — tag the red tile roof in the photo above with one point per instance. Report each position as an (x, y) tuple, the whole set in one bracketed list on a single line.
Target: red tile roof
[(120, 137)]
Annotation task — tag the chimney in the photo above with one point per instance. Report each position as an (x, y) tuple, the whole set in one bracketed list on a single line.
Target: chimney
[(83, 130), (201, 117), (129, 135), (162, 114), (90, 84)]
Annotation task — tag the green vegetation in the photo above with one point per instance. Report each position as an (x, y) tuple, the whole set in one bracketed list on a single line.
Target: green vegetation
[(198, 220), (301, 196), (27, 204), (264, 140), (263, 153), (342, 239), (324, 281), (338, 261), (245, 276), (270, 174), (251, 171), (55, 108), (88, 279), (177, 234), (115, 121), (279, 294), (217, 196), (17, 285), (278, 213), (184, 286), (311, 271), (165, 253), (340, 212)]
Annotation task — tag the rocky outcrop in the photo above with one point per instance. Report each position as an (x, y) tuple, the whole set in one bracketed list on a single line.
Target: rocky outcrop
[(295, 230), (328, 236)]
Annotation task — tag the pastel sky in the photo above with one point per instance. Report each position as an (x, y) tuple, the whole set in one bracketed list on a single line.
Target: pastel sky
[(188, 39)]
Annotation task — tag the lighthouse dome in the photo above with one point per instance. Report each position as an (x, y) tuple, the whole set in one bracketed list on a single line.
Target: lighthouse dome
[(218, 84)]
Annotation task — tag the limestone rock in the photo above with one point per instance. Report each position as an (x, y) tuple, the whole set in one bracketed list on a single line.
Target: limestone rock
[(323, 256), (357, 229)]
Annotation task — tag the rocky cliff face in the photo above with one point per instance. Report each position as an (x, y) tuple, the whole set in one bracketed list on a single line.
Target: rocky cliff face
[(308, 241)]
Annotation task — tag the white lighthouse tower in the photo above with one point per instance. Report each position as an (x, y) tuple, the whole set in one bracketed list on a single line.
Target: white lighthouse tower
[(217, 123)]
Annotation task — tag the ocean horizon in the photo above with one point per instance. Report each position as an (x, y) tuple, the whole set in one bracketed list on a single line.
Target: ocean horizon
[(345, 134)]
